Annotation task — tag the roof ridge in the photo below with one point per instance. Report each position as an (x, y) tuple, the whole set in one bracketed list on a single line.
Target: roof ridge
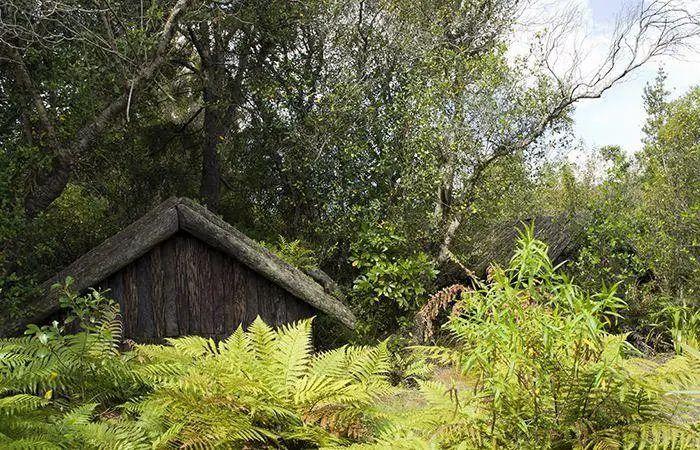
[(159, 224)]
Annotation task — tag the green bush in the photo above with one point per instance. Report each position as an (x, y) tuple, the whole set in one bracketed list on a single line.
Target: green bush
[(670, 195), (393, 281), (260, 387), (257, 389), (32, 251), (54, 386)]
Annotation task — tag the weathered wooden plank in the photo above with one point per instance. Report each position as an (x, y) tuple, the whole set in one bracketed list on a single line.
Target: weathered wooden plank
[(130, 303), (194, 286), (211, 229), (238, 295), (273, 300), (116, 287), (217, 293), (265, 306), (204, 287), (281, 306), (157, 300), (145, 327), (249, 290), (229, 285), (183, 308), (168, 253)]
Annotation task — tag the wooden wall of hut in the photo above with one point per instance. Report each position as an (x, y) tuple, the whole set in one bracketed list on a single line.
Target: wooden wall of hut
[(183, 286)]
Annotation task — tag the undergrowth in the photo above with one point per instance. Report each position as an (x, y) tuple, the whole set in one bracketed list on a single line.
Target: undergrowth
[(531, 364)]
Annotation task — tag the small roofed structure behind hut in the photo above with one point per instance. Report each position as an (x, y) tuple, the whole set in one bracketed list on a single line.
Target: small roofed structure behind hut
[(496, 244), (182, 270), (490, 245)]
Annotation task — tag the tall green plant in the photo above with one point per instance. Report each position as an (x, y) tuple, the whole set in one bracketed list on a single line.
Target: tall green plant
[(294, 252), (534, 367)]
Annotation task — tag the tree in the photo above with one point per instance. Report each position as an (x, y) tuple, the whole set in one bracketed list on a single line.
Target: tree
[(671, 190), (315, 117), (29, 27), (642, 33)]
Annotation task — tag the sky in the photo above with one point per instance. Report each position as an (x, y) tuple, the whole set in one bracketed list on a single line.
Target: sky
[(617, 118)]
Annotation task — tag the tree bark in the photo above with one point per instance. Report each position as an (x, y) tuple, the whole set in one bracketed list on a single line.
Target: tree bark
[(26, 86), (213, 135), (449, 234), (221, 97)]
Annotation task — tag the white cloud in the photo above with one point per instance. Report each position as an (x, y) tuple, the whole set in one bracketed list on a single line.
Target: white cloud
[(617, 118)]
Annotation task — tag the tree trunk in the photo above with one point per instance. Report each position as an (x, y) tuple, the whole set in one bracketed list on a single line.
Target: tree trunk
[(221, 102), (449, 234), (213, 135), (50, 185)]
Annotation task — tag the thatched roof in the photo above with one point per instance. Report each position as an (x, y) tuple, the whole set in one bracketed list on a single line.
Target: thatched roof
[(172, 216), (497, 244)]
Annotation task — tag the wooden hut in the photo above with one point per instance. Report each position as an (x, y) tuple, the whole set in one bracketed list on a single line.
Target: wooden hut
[(180, 270), (496, 244)]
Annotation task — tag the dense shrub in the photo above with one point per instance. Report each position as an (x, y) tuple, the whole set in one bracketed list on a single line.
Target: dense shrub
[(670, 195), (393, 281), (260, 386), (54, 386), (31, 252), (257, 389), (640, 222)]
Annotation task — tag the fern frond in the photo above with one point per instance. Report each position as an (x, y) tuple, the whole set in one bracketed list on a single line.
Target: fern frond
[(291, 355), (21, 403)]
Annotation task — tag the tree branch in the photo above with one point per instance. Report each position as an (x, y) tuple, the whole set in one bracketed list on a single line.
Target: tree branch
[(50, 185)]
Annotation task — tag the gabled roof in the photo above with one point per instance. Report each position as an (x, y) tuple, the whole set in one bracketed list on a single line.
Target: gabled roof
[(172, 216), (496, 243)]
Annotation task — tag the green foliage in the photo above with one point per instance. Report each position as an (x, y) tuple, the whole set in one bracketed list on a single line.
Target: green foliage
[(534, 367), (294, 252), (257, 388), (399, 113), (393, 281), (610, 225), (670, 195), (674, 321), (636, 220), (53, 384), (77, 222), (260, 387), (531, 365)]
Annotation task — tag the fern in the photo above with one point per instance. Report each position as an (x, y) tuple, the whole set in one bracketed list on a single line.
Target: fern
[(53, 384), (261, 385), (293, 252)]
